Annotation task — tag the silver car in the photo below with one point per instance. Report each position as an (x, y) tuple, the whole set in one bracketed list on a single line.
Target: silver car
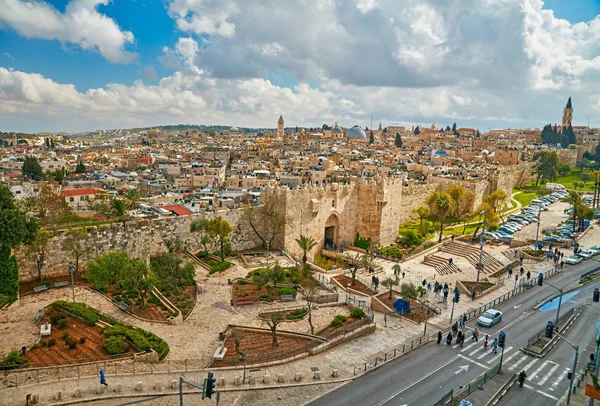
[(489, 318)]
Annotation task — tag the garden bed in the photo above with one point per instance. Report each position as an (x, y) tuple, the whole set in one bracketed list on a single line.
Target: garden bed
[(292, 314), (417, 312), (246, 289), (358, 286), (215, 264), (483, 286), (258, 348), (342, 323), (153, 307)]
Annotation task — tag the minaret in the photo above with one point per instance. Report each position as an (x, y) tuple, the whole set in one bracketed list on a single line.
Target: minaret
[(380, 133), (568, 114), (280, 127)]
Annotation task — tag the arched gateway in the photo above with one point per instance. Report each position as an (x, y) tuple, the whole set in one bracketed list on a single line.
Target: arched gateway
[(332, 227)]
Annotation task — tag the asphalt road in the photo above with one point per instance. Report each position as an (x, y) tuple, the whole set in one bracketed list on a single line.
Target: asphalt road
[(423, 376)]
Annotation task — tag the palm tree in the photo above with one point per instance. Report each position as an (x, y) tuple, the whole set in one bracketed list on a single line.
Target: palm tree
[(440, 205), (576, 201), (596, 179), (357, 261), (118, 208), (306, 244), (390, 282), (133, 198)]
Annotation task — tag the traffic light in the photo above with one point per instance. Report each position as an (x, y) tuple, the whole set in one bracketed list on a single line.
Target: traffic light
[(456, 298), (596, 295), (501, 339), (209, 386), (549, 329), (540, 279)]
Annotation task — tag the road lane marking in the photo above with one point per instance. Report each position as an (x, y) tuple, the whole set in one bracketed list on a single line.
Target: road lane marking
[(488, 353), (530, 364), (451, 360), (474, 351), (559, 379), (540, 392), (516, 364), (548, 374), (498, 355), (469, 346), (506, 361), (473, 361), (537, 371)]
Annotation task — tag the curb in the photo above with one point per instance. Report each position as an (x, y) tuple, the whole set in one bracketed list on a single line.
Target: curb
[(548, 347), (500, 393), (189, 392)]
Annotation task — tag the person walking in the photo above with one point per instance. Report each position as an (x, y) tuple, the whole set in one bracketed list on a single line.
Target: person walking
[(459, 337), (476, 334), (562, 263), (429, 287), (455, 327), (449, 339), (403, 274), (485, 341), (528, 275), (462, 338), (509, 272), (424, 282), (521, 271), (439, 336), (495, 346), (102, 378)]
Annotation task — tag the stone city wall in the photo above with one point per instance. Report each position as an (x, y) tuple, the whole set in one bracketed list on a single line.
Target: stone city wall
[(140, 239)]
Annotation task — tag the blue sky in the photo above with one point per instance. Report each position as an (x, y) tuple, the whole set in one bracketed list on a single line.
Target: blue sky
[(243, 63)]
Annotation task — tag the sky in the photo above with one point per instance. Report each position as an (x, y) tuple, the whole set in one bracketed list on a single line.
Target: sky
[(82, 65)]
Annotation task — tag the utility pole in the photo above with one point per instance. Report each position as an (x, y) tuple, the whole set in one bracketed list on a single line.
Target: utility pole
[(559, 301), (480, 264), (537, 233), (597, 362), (576, 348), (71, 272)]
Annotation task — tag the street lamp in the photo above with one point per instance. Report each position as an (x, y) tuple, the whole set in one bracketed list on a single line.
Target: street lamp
[(537, 233), (596, 360), (576, 348), (559, 301), (72, 272), (479, 266)]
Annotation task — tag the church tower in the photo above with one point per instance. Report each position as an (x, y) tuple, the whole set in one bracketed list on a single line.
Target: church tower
[(568, 114), (280, 127)]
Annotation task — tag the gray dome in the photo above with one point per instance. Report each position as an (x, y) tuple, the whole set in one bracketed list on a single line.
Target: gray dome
[(337, 130), (356, 133)]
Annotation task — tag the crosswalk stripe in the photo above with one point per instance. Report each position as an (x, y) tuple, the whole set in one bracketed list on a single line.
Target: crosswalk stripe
[(487, 353), (548, 374), (506, 350), (478, 349), (530, 364), (469, 346), (511, 357), (516, 364), (559, 379), (537, 371), (540, 392)]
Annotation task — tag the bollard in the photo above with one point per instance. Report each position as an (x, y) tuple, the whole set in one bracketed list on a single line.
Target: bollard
[(335, 373), (280, 378), (221, 381), (266, 378), (251, 380), (317, 375), (173, 384), (77, 393), (58, 395), (99, 389), (298, 377), (139, 386), (157, 386), (237, 380)]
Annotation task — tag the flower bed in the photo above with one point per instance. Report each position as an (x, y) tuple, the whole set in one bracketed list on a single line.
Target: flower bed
[(417, 313)]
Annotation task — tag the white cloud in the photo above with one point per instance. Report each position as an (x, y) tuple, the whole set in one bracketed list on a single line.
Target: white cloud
[(80, 24), (204, 16)]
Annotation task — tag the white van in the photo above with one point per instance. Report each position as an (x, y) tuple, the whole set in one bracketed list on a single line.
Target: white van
[(555, 186)]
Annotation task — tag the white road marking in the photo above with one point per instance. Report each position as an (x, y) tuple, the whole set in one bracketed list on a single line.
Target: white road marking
[(498, 355), (548, 374), (451, 360), (473, 361), (519, 362), (461, 369), (487, 353), (478, 349), (537, 371), (540, 392), (530, 364), (559, 379), (469, 346), (511, 357)]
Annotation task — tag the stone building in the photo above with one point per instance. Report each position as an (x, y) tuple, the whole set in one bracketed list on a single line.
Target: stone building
[(567, 119)]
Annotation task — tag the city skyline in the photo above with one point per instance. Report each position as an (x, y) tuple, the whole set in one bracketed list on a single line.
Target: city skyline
[(72, 66)]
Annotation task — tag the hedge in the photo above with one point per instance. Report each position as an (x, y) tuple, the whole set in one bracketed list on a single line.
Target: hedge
[(115, 345), (141, 339), (218, 266), (89, 314)]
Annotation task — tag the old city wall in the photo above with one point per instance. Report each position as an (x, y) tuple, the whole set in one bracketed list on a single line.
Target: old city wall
[(140, 239), (479, 187), (508, 177), (414, 196)]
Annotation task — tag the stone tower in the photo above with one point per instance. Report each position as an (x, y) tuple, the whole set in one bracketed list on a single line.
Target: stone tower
[(380, 133), (280, 127), (568, 114)]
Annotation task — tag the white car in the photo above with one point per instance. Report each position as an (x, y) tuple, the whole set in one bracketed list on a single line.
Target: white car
[(595, 250), (489, 318), (585, 254), (573, 259)]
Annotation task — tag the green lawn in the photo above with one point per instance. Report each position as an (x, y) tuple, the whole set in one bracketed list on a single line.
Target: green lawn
[(566, 181), (525, 198)]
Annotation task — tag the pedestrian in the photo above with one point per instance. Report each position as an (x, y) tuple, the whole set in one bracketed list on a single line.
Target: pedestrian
[(452, 237), (449, 339), (476, 334), (461, 322), (455, 327), (485, 341), (373, 280), (495, 346), (439, 336), (446, 286), (424, 282), (445, 296), (521, 261), (103, 378), (464, 319), (459, 337), (403, 274), (516, 278), (562, 263), (562, 254), (429, 287), (509, 272), (528, 274), (451, 261), (521, 271)]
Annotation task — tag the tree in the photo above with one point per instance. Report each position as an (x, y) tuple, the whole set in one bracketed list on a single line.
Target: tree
[(133, 197), (77, 244), (219, 230), (39, 249), (422, 212), (585, 177), (267, 221), (109, 268), (371, 137), (596, 180), (306, 244), (311, 292), (32, 169), (397, 269), (273, 321), (454, 129), (80, 167), (118, 208), (15, 229), (577, 185), (440, 204), (357, 261), (390, 282), (50, 205), (546, 166), (576, 201), (171, 272), (478, 135), (139, 278), (456, 192), (199, 226), (398, 141), (582, 164), (417, 130), (448, 128), (102, 205)]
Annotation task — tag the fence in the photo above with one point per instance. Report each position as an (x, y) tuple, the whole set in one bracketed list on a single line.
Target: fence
[(589, 275), (362, 304), (542, 332), (390, 355), (325, 283), (501, 299), (454, 396)]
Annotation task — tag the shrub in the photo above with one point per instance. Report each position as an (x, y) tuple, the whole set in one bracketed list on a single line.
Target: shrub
[(82, 340), (132, 294), (338, 320), (242, 282), (409, 239), (127, 301), (72, 344), (322, 262), (34, 346), (364, 243), (296, 314), (62, 324), (154, 300), (13, 359), (218, 266), (115, 345), (264, 296), (287, 291), (357, 313), (118, 299), (52, 342), (46, 283), (392, 251), (65, 335), (43, 343)]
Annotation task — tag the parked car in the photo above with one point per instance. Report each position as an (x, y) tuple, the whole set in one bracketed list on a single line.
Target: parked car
[(489, 318), (573, 259), (585, 254), (595, 249)]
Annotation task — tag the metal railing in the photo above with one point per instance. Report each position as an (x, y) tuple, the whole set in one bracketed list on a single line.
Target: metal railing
[(390, 355), (589, 275), (542, 333), (456, 395), (501, 299)]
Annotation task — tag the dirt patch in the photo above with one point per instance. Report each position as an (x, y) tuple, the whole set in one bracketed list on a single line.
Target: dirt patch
[(258, 348), (249, 290), (417, 313), (483, 286), (74, 330), (27, 287), (350, 324), (358, 285), (153, 309)]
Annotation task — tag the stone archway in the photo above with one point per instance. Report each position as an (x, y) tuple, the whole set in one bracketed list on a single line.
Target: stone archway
[(331, 231)]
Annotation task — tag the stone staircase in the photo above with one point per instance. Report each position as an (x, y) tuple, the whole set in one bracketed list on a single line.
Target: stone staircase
[(441, 265), (471, 253)]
